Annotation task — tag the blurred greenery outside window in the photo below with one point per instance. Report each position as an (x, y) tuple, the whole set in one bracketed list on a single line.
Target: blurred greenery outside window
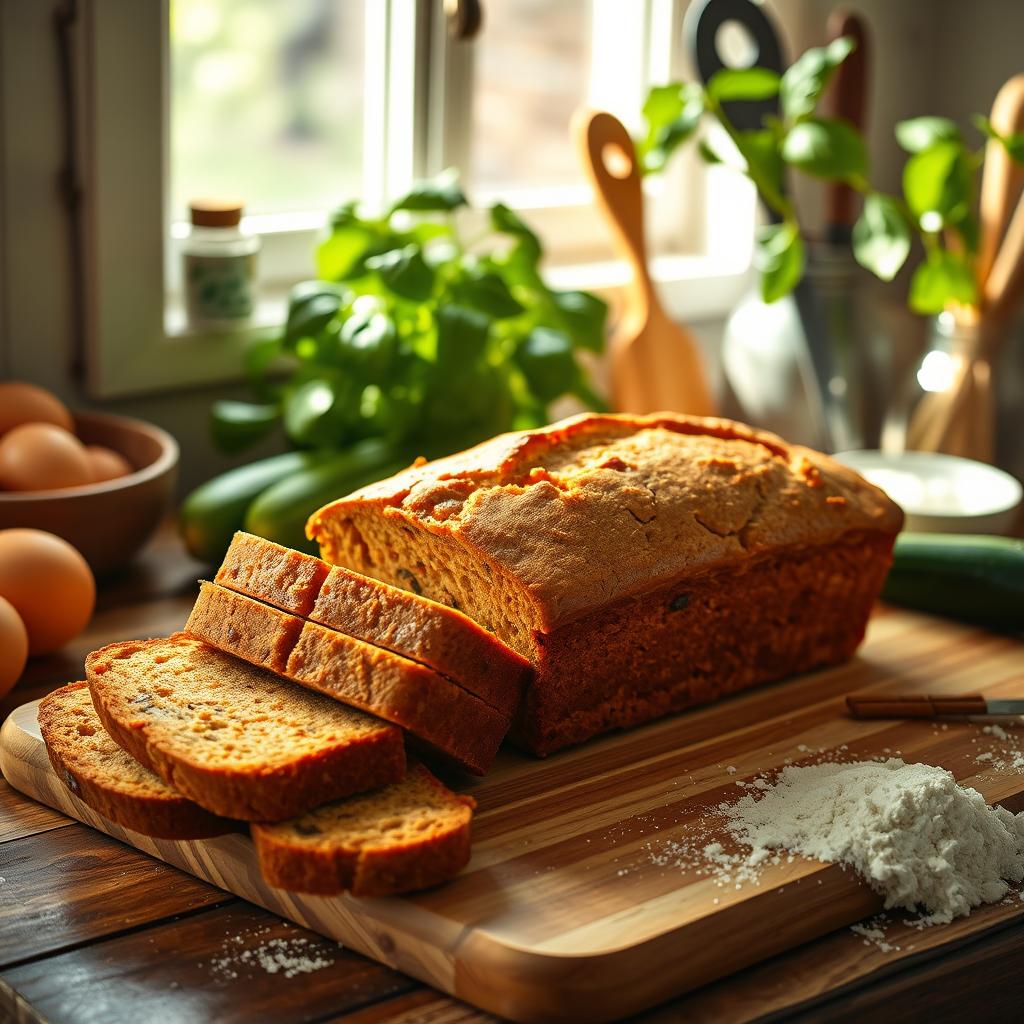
[(266, 102), (296, 106)]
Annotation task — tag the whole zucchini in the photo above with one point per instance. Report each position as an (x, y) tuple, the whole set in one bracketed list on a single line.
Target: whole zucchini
[(213, 512), (975, 578), (281, 511)]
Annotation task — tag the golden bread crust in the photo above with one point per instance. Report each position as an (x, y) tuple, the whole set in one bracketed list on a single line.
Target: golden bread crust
[(602, 507)]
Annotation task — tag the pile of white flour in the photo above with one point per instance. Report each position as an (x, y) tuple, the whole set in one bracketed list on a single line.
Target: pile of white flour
[(915, 835)]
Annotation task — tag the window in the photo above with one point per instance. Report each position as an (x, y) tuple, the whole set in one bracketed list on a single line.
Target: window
[(279, 78), (518, 122), (294, 106)]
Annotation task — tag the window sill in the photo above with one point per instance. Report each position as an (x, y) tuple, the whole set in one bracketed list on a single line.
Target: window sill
[(695, 287), (691, 287), (269, 315)]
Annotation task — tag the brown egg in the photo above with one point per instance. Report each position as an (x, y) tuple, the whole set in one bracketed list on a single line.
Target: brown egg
[(106, 464), (26, 403), (50, 585), (42, 457), (13, 646)]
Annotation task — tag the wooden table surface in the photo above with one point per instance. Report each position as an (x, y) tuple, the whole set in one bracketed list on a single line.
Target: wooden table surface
[(93, 931)]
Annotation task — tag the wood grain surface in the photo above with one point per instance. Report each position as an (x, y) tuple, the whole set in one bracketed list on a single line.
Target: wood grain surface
[(214, 981), (564, 909), (36, 924)]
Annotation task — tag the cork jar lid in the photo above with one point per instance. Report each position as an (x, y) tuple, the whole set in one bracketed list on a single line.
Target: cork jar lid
[(215, 213)]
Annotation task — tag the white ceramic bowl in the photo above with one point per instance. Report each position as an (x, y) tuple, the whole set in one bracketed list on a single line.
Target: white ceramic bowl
[(942, 493)]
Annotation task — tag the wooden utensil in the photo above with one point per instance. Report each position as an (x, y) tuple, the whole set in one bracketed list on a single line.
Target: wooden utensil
[(655, 362), (1003, 289), (1002, 177), (960, 420), (848, 102), (1001, 247)]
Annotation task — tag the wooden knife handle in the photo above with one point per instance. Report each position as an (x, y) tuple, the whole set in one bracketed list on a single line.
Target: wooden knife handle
[(915, 706)]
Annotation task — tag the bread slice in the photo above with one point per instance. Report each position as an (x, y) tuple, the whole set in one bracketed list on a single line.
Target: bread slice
[(410, 835), (435, 710), (239, 741), (108, 780), (402, 621)]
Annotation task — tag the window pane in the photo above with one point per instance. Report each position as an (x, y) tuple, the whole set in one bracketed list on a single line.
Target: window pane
[(266, 102), (532, 70)]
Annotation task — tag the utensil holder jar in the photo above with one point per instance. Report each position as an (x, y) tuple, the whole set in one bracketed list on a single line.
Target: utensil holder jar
[(948, 404)]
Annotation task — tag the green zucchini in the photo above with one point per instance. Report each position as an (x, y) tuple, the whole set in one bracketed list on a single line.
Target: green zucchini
[(975, 578), (213, 512), (280, 512)]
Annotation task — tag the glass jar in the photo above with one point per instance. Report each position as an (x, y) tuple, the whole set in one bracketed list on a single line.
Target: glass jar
[(858, 352), (766, 358), (948, 403), (219, 264)]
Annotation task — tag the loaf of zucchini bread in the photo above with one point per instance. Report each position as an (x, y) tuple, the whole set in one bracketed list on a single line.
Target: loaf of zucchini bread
[(644, 564)]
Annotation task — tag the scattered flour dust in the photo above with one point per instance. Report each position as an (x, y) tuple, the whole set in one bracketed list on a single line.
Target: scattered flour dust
[(914, 834), (290, 957), (1007, 755), (873, 933)]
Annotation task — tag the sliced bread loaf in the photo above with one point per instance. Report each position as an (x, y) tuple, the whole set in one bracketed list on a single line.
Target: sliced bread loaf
[(237, 740), (644, 564), (434, 709), (412, 834), (108, 780), (402, 621)]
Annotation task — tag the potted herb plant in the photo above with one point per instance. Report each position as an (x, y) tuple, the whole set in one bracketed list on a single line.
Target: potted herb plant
[(428, 328)]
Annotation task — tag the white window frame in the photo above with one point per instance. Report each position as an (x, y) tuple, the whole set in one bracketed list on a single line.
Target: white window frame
[(417, 123)]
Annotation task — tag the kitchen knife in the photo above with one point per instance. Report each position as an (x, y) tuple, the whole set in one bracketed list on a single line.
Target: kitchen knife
[(701, 25), (921, 706)]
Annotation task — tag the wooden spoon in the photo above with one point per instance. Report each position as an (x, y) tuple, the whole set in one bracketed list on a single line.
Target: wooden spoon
[(655, 363), (1002, 177)]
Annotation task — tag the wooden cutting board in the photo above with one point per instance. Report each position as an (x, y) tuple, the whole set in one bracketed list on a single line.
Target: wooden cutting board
[(575, 905)]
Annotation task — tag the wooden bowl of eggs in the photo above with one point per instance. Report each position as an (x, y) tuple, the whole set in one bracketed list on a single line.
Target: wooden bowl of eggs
[(102, 482)]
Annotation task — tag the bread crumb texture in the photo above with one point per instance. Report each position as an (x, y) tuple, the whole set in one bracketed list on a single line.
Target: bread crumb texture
[(96, 770), (399, 690), (412, 834), (68, 720), (401, 621), (236, 739)]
